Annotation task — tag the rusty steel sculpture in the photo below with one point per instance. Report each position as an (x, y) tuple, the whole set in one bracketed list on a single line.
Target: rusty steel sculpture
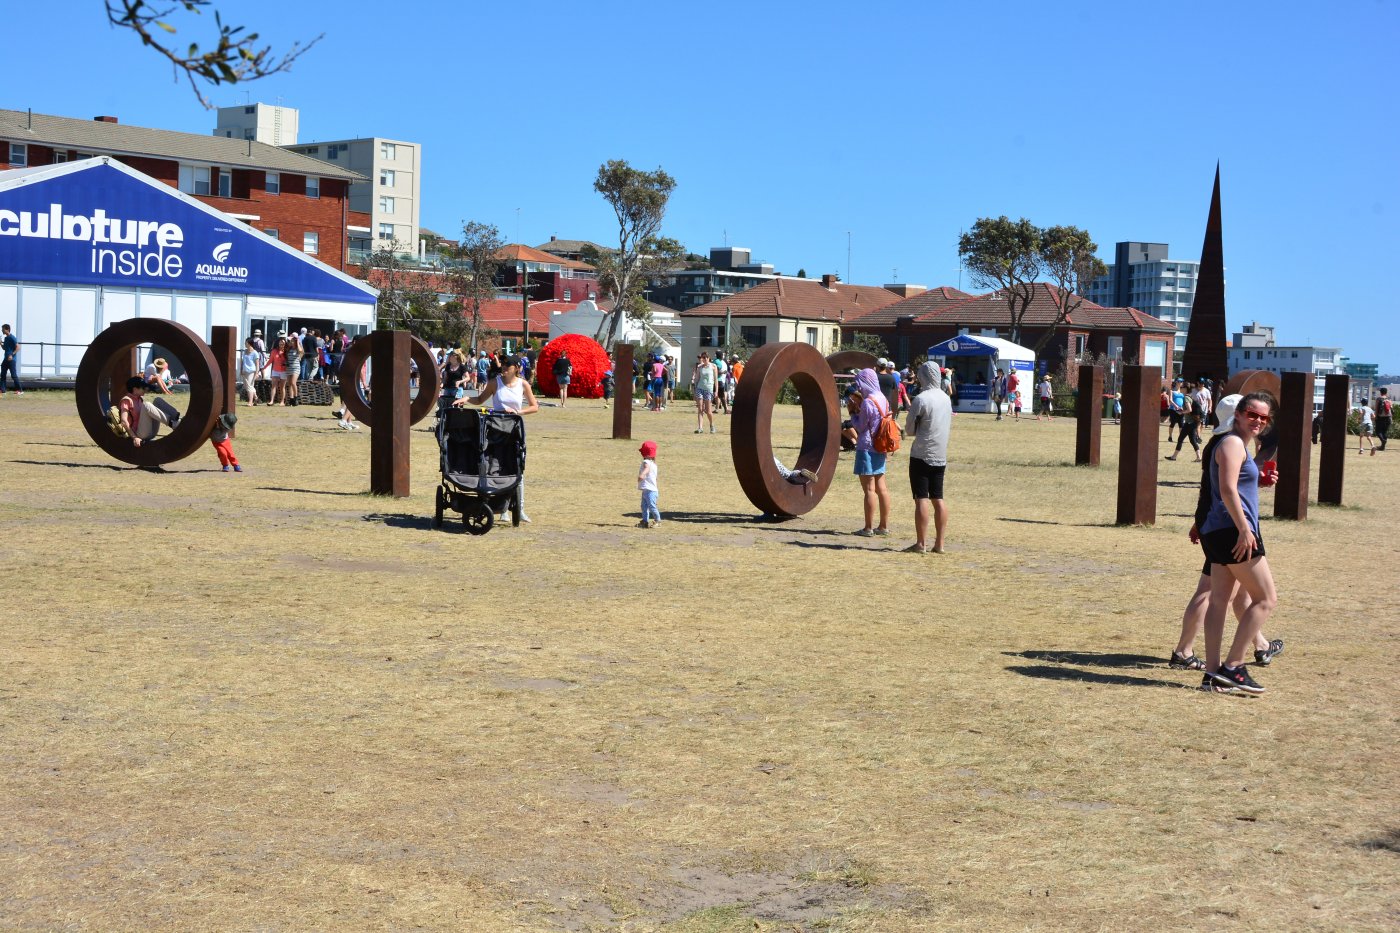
[(1336, 408), (1138, 442), (846, 360), (223, 343), (751, 428), (622, 391), (389, 412), (1293, 422), (1088, 414), (1206, 344), (1253, 380), (111, 360)]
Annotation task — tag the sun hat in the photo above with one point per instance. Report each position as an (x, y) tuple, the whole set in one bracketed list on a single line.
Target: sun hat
[(257, 333), (648, 449), (1225, 411)]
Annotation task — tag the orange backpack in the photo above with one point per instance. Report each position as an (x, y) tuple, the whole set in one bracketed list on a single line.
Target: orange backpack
[(885, 437)]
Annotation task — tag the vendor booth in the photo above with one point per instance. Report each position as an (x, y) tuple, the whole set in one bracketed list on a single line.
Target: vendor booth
[(975, 361)]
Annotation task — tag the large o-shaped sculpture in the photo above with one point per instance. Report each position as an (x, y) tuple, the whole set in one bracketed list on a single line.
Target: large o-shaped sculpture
[(845, 360), (1253, 380), (751, 427), (94, 398), (429, 379)]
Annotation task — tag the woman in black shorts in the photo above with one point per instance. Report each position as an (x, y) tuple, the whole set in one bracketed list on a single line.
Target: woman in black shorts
[(1232, 543)]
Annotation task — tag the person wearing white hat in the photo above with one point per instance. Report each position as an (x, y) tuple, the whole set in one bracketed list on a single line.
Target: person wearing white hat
[(1232, 542)]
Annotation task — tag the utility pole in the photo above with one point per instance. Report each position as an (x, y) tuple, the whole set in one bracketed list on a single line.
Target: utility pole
[(848, 257), (524, 303)]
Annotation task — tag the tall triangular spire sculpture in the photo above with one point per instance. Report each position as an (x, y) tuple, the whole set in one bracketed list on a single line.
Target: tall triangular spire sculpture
[(1206, 348)]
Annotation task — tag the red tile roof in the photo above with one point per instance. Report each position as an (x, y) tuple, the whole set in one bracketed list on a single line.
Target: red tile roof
[(802, 299), (518, 252), (990, 310), (917, 305)]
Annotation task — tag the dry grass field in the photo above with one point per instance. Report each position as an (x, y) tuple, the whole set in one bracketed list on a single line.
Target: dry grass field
[(270, 701)]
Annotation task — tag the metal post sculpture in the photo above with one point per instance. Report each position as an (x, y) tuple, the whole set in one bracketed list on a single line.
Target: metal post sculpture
[(223, 343), (751, 428), (1336, 408), (1089, 416), (622, 391), (1206, 346), (110, 360), (390, 414), (1294, 426), (1138, 445)]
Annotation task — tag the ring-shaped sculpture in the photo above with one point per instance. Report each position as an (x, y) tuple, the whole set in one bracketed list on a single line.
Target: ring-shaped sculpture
[(1253, 380), (429, 379), (751, 428), (94, 397), (845, 360)]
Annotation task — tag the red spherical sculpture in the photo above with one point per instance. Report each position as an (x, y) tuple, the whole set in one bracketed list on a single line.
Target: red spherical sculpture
[(590, 362)]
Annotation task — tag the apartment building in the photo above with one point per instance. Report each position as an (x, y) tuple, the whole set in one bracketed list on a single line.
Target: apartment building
[(391, 192), (1142, 276)]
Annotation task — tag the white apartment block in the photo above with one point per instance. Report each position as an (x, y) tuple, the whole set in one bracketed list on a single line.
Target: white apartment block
[(263, 123), (1164, 288), (391, 196), (1254, 348)]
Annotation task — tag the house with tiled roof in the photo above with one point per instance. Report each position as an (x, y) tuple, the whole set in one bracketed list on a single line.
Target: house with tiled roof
[(1122, 333), (572, 249), (783, 310), (547, 277)]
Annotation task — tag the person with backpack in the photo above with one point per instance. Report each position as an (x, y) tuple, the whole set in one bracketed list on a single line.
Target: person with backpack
[(1190, 428), (869, 420), (1383, 415)]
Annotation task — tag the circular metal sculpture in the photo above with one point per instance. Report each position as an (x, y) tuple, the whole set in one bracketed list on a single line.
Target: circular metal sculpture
[(751, 428), (429, 379), (102, 358), (846, 360), (1253, 380)]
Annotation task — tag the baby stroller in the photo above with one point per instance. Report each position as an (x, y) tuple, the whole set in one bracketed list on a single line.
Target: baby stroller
[(483, 463)]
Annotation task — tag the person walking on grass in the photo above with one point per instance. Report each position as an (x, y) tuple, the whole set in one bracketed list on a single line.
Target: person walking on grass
[(1383, 415), (9, 364), (870, 463), (1232, 543), (508, 392), (1045, 394), (250, 363), (646, 482), (1189, 428), (1368, 428), (929, 420), (703, 380), (563, 373)]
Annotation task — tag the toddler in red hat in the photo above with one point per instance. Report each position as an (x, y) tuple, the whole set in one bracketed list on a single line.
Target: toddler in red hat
[(646, 482)]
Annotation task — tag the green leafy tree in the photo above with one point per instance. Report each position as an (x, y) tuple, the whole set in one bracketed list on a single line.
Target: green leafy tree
[(1004, 255), (639, 200), (865, 343), (1068, 258), (234, 59), (408, 296), (472, 274)]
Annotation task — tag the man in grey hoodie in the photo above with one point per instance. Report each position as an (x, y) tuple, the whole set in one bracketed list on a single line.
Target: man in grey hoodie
[(930, 417)]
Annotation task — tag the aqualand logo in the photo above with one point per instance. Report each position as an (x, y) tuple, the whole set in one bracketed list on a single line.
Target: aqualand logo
[(221, 272)]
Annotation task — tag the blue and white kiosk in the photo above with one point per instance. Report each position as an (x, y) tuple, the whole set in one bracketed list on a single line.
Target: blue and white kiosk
[(974, 362), (87, 243)]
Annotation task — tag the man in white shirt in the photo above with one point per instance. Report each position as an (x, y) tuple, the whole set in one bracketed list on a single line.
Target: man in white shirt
[(929, 420)]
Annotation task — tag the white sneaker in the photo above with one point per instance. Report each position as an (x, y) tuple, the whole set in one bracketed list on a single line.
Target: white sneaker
[(344, 424)]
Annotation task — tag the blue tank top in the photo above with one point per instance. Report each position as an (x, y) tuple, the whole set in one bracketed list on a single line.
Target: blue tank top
[(1248, 487)]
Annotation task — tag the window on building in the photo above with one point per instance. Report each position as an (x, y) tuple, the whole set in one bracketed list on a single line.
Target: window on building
[(755, 335), (568, 294), (310, 242), (386, 205), (711, 335), (274, 182), (388, 151), (386, 178), (60, 155), (333, 153), (271, 231), (386, 231), (252, 109), (194, 179), (812, 336), (313, 186), (1080, 343), (225, 183)]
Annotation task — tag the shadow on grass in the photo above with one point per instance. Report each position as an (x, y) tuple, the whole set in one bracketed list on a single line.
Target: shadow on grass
[(408, 520), (711, 518), (50, 444), (81, 466), (1387, 841), (1042, 521), (310, 492), (838, 547), (1180, 484), (1088, 658), (1042, 672)]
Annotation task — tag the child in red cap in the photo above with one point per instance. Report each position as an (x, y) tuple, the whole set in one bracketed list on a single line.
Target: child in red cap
[(646, 482)]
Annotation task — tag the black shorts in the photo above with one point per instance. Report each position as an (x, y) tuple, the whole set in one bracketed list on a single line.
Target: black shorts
[(926, 479), (1219, 544)]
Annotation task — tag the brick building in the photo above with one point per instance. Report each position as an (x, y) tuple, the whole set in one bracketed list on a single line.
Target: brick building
[(298, 200)]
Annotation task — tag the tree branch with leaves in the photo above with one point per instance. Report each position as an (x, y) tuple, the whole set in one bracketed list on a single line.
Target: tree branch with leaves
[(1004, 255), (472, 274), (639, 200), (1068, 257), (236, 58)]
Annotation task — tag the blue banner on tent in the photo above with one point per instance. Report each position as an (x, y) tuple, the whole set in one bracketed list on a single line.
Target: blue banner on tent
[(102, 225)]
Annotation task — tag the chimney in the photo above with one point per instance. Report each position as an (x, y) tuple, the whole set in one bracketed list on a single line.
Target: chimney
[(829, 281), (105, 119), (906, 289)]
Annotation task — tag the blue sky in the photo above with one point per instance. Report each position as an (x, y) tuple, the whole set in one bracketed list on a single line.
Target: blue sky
[(791, 126)]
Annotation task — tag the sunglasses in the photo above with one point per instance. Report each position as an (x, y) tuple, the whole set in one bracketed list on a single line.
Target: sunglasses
[(1255, 416)]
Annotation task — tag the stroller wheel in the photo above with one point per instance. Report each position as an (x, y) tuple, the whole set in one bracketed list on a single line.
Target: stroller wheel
[(438, 509), (479, 519)]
